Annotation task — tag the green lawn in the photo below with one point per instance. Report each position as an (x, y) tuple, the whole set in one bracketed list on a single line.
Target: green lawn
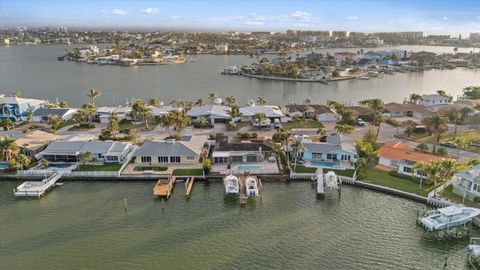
[(303, 169), (150, 168), (448, 193), (305, 124), (186, 172), (104, 167), (469, 135), (382, 178)]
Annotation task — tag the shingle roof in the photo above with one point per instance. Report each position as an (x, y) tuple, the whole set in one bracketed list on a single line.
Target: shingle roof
[(401, 151), (224, 143), (216, 110), (268, 110), (95, 147), (192, 147), (398, 107), (333, 143)]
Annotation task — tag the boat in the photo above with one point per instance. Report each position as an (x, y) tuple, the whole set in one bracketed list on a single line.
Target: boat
[(363, 77), (61, 58), (331, 180), (474, 251), (251, 186), (193, 59), (448, 217), (231, 185)]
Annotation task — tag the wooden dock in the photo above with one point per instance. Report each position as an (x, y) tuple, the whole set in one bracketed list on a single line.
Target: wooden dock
[(37, 188), (164, 187), (189, 186), (242, 191)]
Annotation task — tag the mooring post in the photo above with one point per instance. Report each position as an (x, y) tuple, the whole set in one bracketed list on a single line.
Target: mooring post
[(125, 203), (163, 205)]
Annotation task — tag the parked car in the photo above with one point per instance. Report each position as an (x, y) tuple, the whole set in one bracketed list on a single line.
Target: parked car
[(449, 144), (277, 124), (360, 122)]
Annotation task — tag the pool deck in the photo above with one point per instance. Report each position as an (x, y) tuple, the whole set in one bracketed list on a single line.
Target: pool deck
[(263, 168)]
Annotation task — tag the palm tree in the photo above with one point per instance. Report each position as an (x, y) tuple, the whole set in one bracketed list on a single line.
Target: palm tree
[(261, 101), (203, 122), (440, 170), (54, 121), (200, 102), (16, 93), (63, 104), (344, 129), (278, 150), (414, 98), (8, 149), (230, 100), (438, 126), (461, 144), (30, 110), (321, 131), (94, 93), (297, 147), (212, 97), (140, 110), (376, 105), (234, 111), (113, 124), (166, 122), (155, 102), (419, 169), (23, 161)]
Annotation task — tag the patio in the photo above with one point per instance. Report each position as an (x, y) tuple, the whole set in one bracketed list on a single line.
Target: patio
[(264, 167)]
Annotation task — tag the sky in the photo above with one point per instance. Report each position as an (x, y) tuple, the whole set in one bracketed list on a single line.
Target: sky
[(431, 16)]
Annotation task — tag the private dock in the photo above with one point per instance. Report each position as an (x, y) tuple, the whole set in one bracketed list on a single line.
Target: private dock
[(164, 187), (250, 187), (242, 192), (36, 188), (189, 186)]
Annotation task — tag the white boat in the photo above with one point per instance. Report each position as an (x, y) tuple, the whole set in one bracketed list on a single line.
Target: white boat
[(474, 247), (231, 185), (448, 217), (364, 77), (331, 180), (251, 186)]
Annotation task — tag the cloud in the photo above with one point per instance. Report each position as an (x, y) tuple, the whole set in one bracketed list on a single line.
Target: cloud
[(445, 18), (301, 16), (174, 17), (119, 12), (150, 10), (255, 23), (352, 18)]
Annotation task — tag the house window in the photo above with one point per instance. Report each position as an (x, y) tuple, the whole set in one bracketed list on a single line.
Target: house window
[(407, 169), (330, 156), (174, 159), (112, 158), (163, 159), (190, 158), (146, 159), (475, 187)]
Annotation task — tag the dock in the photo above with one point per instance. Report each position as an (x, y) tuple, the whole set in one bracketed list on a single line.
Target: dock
[(320, 184), (164, 187), (37, 188), (189, 186)]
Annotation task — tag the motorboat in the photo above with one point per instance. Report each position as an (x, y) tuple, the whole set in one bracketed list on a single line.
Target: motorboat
[(448, 217), (331, 180), (231, 185), (251, 186)]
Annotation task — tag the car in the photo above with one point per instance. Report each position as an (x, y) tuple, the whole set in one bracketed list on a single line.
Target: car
[(449, 144), (360, 122)]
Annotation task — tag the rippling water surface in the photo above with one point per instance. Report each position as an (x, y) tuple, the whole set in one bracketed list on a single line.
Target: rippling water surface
[(84, 225)]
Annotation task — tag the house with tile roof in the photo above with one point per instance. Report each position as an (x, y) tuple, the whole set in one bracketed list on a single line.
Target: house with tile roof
[(399, 110)]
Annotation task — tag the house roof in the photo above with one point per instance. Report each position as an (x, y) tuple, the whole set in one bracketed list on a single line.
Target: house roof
[(75, 147), (36, 139), (398, 107), (268, 110), (187, 146), (211, 109), (434, 97), (108, 110), (402, 151), (333, 143), (19, 100), (317, 108), (225, 143), (360, 110), (473, 174), (51, 111)]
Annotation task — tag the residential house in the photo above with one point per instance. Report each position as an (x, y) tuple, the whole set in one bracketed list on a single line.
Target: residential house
[(467, 183), (102, 151), (34, 142), (272, 112), (344, 58), (400, 157), (417, 111), (333, 151), (322, 113), (214, 113), (360, 111), (18, 109), (162, 110), (41, 115), (231, 150), (434, 100), (187, 150), (103, 113)]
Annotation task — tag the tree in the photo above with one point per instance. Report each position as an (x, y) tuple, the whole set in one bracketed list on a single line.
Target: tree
[(140, 111), (321, 131), (23, 161), (63, 104), (297, 147), (200, 102), (155, 102), (93, 94), (30, 110), (131, 135), (444, 94), (344, 129), (231, 101), (437, 125), (377, 106), (85, 157), (234, 111), (261, 101), (279, 155), (415, 98), (337, 106), (8, 149), (207, 166), (7, 124), (259, 116), (422, 147), (212, 97), (203, 122), (471, 92), (409, 127), (113, 124), (54, 121), (44, 163), (419, 169), (166, 122), (440, 171), (461, 144), (367, 147), (456, 118), (281, 136), (442, 152), (177, 121), (16, 93)]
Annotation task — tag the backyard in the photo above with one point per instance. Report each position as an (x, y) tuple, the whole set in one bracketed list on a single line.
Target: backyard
[(308, 123), (150, 168), (188, 172), (379, 177), (469, 135), (105, 167)]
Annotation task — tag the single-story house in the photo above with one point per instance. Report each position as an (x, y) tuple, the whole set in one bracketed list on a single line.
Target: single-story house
[(272, 112), (34, 142), (434, 100), (417, 111), (360, 111), (17, 109), (41, 115), (401, 157), (103, 151), (234, 150), (322, 113), (161, 111), (187, 150), (214, 113), (467, 183), (333, 151), (103, 113)]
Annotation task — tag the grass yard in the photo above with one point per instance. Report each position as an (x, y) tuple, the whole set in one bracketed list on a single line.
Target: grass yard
[(110, 167), (304, 124), (469, 135), (150, 168), (187, 172), (303, 169), (382, 178), (448, 193)]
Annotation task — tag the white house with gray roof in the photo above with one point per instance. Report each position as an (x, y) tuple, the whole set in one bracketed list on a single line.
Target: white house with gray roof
[(102, 151), (434, 101), (214, 113), (41, 115), (467, 183), (333, 151), (270, 111), (187, 150)]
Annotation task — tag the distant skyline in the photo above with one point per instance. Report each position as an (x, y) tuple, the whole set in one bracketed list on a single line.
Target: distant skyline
[(431, 17)]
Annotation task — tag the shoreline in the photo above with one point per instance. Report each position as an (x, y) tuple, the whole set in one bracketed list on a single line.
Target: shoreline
[(274, 78)]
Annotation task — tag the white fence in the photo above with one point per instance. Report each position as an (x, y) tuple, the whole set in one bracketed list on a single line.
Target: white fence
[(438, 189)]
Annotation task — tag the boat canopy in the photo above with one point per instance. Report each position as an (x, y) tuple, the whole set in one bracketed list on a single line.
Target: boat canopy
[(450, 211)]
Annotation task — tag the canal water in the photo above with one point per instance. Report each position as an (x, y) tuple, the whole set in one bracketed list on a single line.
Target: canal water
[(84, 225), (35, 71)]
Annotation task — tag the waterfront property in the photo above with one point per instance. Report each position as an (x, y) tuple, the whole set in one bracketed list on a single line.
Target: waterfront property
[(270, 111), (467, 183), (17, 109), (400, 157), (434, 100), (41, 115), (162, 110), (103, 113), (33, 142), (187, 150), (102, 151), (214, 113), (333, 151), (322, 113), (417, 111)]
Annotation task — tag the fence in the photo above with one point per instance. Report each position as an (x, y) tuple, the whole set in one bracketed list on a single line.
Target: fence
[(439, 188)]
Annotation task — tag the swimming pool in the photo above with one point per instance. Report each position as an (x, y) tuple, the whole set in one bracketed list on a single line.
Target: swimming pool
[(322, 164), (248, 167), (3, 165)]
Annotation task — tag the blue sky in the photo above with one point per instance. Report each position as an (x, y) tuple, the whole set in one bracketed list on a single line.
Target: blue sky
[(440, 16)]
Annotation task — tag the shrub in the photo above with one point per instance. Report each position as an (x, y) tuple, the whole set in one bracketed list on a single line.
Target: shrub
[(247, 135), (442, 152), (422, 147), (393, 122), (207, 166), (86, 125)]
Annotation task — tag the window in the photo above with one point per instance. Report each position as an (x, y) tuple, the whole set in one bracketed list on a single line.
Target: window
[(174, 159), (475, 187), (190, 158), (407, 169), (163, 159), (330, 156), (146, 159), (112, 158)]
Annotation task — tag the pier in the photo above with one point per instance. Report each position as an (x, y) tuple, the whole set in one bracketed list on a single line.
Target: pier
[(242, 192), (189, 186), (164, 187), (36, 188)]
